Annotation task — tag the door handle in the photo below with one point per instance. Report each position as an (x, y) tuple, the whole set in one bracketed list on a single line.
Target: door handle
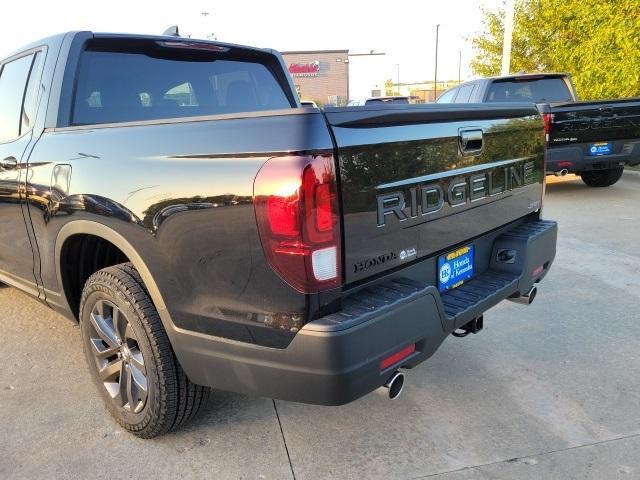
[(606, 110), (9, 163), (471, 141)]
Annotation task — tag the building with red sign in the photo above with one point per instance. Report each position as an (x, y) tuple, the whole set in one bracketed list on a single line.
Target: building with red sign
[(320, 75)]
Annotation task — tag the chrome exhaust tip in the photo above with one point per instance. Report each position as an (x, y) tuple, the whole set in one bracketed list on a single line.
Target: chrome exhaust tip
[(526, 298), (393, 387), (561, 173)]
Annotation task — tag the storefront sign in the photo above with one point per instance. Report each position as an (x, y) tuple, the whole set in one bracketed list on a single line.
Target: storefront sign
[(304, 69)]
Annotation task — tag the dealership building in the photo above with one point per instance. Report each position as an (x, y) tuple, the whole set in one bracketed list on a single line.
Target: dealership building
[(320, 75)]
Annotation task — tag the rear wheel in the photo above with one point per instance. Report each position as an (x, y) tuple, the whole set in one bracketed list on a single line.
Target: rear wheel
[(602, 178), (130, 357)]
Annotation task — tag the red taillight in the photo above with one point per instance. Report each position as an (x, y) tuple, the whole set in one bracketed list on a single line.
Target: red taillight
[(546, 118), (296, 203), (283, 215), (324, 216), (397, 357)]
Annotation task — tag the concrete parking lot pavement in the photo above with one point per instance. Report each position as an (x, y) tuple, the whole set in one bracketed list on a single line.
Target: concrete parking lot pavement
[(546, 391)]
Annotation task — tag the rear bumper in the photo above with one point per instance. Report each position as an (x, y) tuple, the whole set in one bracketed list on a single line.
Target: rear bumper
[(336, 359), (576, 159)]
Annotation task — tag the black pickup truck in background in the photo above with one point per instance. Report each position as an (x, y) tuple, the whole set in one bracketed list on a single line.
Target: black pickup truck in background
[(593, 139), (172, 196)]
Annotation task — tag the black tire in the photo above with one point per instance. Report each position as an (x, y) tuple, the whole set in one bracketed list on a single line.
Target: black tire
[(170, 398), (602, 178)]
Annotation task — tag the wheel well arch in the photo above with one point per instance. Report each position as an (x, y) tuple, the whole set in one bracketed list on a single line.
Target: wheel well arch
[(109, 248)]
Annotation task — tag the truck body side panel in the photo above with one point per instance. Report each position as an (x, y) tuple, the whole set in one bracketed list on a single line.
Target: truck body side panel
[(181, 193)]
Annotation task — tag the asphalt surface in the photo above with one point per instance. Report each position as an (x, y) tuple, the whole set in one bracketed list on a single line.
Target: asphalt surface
[(547, 391)]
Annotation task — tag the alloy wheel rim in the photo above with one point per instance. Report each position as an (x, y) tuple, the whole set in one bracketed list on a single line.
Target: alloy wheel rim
[(116, 351)]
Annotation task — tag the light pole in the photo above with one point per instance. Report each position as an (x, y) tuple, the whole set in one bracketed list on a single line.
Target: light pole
[(398, 67), (435, 74), (459, 65), (209, 36)]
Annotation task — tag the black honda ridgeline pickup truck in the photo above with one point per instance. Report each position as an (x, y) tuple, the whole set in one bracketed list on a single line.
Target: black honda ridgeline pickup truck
[(171, 195), (593, 139)]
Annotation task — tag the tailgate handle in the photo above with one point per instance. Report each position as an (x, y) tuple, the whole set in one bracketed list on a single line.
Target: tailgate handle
[(470, 141)]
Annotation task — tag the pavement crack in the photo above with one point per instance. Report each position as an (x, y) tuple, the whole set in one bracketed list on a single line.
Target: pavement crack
[(515, 459), (284, 440)]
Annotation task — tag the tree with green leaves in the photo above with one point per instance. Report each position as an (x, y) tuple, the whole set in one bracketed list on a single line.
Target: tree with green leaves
[(389, 88), (596, 41)]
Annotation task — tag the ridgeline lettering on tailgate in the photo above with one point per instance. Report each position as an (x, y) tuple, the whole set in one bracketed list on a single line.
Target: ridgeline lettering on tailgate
[(424, 200)]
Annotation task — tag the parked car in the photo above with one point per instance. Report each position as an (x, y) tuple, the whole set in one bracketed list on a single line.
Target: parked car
[(592, 139), (397, 100), (308, 103), (172, 197)]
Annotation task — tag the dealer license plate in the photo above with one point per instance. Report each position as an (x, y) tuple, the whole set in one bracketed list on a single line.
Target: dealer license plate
[(455, 268), (600, 148)]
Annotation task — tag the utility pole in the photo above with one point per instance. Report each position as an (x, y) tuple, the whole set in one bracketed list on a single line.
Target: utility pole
[(435, 74), (508, 34), (459, 65), (398, 67)]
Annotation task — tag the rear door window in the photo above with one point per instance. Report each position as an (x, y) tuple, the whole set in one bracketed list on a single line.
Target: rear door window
[(151, 83), (464, 94), (31, 94), (448, 96), (13, 82), (540, 90)]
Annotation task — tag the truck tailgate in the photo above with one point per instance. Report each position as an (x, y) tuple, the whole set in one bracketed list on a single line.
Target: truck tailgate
[(581, 122), (419, 180)]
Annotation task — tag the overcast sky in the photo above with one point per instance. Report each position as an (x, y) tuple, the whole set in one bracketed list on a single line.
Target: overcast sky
[(404, 30)]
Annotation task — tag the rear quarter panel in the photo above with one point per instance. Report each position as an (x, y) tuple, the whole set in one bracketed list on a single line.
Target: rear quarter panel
[(181, 194)]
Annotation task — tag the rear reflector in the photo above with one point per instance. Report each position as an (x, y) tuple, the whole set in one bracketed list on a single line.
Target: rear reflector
[(538, 271), (397, 357), (325, 263), (565, 164)]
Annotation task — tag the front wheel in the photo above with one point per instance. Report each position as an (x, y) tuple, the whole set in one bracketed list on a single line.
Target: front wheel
[(602, 178), (130, 357)]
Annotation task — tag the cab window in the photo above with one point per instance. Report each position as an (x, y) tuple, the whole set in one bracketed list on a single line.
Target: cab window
[(13, 82)]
